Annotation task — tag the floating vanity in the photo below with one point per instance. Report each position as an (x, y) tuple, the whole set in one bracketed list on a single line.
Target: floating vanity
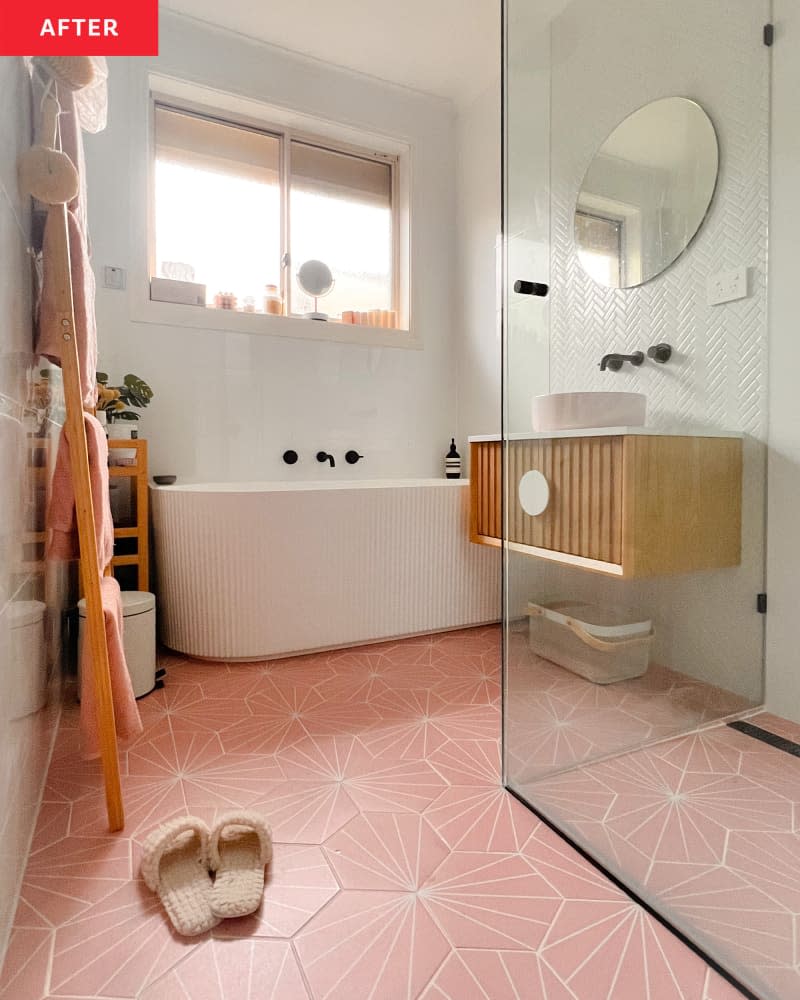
[(625, 501)]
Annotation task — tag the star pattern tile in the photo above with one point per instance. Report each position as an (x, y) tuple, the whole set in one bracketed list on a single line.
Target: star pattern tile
[(402, 867), (707, 826)]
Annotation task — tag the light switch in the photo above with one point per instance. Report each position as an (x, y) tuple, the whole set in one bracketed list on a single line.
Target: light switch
[(114, 277), (728, 286)]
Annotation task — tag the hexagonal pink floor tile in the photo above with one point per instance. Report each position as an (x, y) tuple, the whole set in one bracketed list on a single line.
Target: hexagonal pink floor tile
[(233, 970), (468, 762), (298, 883), (490, 901), (370, 944), (482, 818), (496, 975), (131, 922), (27, 962), (385, 851)]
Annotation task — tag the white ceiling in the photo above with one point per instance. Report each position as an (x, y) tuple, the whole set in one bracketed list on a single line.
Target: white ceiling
[(450, 48)]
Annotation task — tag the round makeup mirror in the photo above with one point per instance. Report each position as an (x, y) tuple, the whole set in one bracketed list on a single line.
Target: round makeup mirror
[(316, 280), (646, 192)]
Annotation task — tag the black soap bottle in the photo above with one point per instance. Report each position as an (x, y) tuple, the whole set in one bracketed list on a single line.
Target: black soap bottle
[(452, 462)]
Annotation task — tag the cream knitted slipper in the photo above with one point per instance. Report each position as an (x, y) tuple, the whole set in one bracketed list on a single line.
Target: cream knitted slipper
[(175, 866), (240, 846)]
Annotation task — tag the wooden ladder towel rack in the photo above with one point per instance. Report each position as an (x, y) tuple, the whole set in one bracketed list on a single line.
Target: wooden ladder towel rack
[(84, 513)]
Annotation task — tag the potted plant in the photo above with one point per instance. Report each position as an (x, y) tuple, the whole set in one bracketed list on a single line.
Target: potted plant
[(113, 401)]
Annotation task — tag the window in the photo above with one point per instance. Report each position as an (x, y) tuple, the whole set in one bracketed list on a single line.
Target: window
[(239, 208), (600, 241)]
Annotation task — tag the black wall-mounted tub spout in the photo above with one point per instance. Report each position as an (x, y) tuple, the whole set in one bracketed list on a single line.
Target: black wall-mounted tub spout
[(613, 362), (323, 456)]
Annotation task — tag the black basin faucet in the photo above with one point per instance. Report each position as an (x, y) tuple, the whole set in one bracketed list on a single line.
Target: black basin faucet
[(613, 362), (323, 456)]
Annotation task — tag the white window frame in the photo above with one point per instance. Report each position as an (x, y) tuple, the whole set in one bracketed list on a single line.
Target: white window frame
[(246, 113)]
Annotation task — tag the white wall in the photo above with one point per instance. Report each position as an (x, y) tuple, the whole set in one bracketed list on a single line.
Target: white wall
[(25, 739), (478, 320), (783, 533), (228, 404)]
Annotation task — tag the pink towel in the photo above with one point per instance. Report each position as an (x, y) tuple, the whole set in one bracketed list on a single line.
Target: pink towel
[(63, 544), (126, 712), (49, 341), (63, 536)]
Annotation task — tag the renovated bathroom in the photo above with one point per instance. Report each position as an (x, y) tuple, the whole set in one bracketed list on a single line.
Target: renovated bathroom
[(398, 461)]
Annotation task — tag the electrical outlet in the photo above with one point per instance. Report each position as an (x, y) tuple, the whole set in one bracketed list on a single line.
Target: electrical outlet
[(728, 286), (114, 277)]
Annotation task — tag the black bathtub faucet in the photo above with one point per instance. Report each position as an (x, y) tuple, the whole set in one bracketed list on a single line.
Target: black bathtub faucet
[(323, 456), (613, 362)]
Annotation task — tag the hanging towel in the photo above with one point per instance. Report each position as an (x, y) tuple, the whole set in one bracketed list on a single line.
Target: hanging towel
[(50, 335), (49, 342), (63, 544), (126, 712)]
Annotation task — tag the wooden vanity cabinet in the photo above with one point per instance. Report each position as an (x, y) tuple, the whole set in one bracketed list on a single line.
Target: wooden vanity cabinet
[(626, 505)]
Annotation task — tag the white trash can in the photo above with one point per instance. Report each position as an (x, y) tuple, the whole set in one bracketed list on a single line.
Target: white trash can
[(27, 688), (138, 638)]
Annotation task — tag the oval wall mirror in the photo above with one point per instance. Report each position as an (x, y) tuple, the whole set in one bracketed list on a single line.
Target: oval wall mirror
[(646, 192)]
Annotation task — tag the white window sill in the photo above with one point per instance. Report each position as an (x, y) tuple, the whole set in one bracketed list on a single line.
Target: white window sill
[(261, 324)]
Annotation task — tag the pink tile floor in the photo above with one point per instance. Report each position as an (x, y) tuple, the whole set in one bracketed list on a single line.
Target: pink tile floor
[(709, 826), (402, 868), (556, 719)]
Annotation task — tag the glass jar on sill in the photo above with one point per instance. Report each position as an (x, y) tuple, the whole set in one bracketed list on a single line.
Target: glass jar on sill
[(273, 303)]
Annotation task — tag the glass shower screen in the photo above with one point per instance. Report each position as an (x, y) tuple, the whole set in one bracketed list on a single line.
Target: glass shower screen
[(633, 556)]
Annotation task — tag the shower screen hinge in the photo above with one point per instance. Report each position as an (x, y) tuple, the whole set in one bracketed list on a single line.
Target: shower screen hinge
[(761, 604), (769, 34)]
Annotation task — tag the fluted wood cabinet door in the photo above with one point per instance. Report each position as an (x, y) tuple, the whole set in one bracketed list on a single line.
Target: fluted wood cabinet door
[(627, 505)]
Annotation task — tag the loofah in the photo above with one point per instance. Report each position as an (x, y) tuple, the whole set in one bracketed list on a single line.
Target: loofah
[(75, 72), (175, 865), (46, 173), (240, 847)]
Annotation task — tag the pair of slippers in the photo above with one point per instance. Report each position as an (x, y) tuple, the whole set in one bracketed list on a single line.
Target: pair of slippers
[(180, 857)]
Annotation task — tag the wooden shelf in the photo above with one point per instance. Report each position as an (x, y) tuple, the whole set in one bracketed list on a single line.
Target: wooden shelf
[(625, 505), (139, 531)]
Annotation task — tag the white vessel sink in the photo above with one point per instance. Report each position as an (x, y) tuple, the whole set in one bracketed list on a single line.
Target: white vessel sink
[(563, 411)]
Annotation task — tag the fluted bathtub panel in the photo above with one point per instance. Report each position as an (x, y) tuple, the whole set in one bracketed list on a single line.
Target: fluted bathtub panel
[(251, 572)]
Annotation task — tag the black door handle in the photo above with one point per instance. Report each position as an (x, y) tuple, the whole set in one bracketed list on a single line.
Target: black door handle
[(522, 287)]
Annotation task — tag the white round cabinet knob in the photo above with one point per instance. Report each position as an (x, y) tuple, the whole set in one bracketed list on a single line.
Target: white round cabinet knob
[(534, 493)]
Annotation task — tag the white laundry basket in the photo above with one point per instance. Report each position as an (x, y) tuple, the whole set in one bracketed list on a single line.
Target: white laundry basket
[(599, 643), (138, 638)]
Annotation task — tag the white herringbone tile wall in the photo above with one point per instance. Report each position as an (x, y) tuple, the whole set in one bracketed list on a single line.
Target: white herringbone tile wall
[(607, 60), (607, 63)]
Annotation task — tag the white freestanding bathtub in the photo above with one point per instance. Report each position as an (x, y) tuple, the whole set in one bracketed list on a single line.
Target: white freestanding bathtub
[(256, 570)]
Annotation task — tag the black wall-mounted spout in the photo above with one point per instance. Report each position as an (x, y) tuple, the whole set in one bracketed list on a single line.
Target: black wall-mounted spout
[(323, 456), (613, 362)]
